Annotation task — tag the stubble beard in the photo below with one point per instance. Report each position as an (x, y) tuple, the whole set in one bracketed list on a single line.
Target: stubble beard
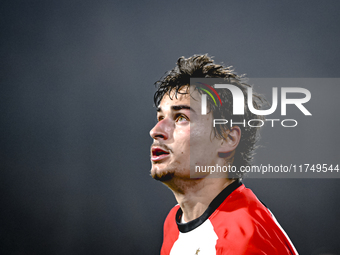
[(162, 176)]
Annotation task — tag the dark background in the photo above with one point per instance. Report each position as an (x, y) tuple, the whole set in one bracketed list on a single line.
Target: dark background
[(76, 104)]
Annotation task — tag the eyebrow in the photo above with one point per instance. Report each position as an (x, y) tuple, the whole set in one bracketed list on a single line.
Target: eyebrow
[(178, 107)]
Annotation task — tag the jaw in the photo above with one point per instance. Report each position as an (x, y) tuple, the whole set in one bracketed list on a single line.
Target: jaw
[(162, 175)]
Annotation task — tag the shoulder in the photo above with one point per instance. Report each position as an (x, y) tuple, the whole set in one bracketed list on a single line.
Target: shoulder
[(245, 222), (240, 214), (170, 220), (170, 231)]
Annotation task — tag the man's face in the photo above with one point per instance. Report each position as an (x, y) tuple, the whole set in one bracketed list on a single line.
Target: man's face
[(183, 138)]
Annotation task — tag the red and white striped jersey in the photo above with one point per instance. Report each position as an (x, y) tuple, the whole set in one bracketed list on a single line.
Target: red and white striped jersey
[(235, 222)]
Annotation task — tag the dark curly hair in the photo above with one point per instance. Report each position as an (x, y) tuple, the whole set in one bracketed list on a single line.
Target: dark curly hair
[(203, 66)]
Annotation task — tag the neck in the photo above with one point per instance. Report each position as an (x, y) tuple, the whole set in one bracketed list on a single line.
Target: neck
[(194, 196)]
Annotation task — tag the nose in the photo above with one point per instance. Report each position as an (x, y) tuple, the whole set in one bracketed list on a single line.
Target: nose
[(161, 130)]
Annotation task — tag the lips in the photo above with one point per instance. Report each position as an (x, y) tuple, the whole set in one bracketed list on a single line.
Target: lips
[(158, 154)]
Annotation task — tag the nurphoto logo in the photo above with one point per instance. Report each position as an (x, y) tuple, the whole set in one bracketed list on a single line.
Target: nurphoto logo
[(239, 102)]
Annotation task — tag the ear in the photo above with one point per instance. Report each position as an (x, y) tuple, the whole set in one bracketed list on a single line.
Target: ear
[(229, 144)]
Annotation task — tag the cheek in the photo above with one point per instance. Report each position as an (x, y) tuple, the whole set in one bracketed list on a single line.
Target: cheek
[(182, 140), (202, 143), (200, 134), (198, 143)]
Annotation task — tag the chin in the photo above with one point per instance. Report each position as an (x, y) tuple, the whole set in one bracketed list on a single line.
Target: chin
[(161, 175)]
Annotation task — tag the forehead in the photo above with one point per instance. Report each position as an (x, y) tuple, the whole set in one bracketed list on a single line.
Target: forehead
[(186, 95)]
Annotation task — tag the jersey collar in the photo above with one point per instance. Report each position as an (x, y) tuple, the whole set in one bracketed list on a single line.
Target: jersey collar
[(217, 201)]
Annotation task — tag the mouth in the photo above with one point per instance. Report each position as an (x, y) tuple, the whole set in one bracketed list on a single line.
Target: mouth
[(158, 154)]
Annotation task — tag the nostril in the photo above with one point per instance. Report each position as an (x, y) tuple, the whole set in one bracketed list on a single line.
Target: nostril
[(159, 136)]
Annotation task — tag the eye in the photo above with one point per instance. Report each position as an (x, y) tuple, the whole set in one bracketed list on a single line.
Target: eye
[(159, 118), (181, 118)]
